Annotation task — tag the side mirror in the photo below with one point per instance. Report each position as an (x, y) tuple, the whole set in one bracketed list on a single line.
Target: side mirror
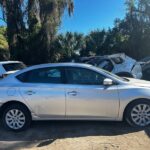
[(108, 82)]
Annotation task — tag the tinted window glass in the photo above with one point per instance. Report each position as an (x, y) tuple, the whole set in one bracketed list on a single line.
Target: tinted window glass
[(83, 77), (44, 75), (13, 66)]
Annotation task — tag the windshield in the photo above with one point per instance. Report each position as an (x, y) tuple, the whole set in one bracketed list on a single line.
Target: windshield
[(111, 74), (13, 66)]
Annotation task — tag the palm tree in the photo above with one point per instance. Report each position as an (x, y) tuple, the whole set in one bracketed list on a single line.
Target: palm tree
[(70, 45), (33, 24)]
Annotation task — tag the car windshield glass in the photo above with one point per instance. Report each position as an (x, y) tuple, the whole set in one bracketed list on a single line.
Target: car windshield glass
[(13, 66), (111, 74)]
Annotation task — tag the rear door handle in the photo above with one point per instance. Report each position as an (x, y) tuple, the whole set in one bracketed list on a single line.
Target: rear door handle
[(30, 92), (73, 93)]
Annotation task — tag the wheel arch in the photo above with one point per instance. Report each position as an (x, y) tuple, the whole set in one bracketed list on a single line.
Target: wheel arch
[(5, 105), (132, 102)]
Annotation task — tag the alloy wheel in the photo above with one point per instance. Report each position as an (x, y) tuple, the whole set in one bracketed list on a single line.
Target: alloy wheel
[(15, 119), (140, 114)]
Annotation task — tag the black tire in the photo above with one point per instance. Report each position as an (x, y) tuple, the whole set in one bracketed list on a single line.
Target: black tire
[(21, 108), (129, 109)]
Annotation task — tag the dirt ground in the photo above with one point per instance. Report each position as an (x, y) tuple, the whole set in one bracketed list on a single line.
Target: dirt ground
[(73, 135)]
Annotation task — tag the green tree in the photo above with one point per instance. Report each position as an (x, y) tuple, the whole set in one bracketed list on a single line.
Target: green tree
[(136, 26), (68, 46), (94, 43), (32, 26), (4, 52)]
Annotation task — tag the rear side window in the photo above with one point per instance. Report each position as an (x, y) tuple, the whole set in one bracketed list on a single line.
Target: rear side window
[(43, 75), (13, 66)]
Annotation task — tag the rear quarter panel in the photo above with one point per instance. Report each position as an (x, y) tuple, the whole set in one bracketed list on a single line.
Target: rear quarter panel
[(10, 93)]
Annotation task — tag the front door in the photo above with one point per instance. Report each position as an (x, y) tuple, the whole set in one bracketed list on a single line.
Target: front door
[(86, 96)]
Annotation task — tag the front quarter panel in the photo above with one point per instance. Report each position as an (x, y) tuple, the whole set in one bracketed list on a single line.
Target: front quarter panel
[(129, 93)]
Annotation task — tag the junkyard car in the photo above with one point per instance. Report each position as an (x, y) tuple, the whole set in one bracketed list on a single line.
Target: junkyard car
[(145, 63), (71, 91), (119, 64), (9, 67)]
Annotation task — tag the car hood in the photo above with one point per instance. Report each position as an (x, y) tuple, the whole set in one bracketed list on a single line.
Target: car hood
[(137, 82)]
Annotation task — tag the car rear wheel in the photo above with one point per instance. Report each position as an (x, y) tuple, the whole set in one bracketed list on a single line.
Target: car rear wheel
[(16, 117), (138, 114)]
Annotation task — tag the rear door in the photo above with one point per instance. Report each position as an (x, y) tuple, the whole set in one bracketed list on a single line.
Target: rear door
[(43, 90)]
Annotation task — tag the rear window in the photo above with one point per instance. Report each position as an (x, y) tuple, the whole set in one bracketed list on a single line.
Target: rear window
[(13, 66)]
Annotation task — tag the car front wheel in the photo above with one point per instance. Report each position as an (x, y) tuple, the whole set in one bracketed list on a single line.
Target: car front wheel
[(16, 117), (138, 113)]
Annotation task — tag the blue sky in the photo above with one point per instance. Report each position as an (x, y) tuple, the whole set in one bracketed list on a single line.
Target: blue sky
[(92, 14)]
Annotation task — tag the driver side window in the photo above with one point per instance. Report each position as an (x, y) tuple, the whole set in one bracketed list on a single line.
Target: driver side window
[(83, 76)]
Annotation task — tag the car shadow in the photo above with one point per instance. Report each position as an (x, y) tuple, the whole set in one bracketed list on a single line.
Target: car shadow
[(43, 133)]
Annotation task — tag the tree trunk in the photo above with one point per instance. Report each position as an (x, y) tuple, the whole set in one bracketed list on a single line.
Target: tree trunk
[(15, 27)]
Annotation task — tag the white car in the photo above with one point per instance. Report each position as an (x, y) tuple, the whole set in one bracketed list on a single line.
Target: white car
[(70, 91), (9, 67), (119, 64)]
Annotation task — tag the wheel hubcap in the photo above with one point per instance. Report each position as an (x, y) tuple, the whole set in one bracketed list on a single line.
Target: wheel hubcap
[(140, 114), (15, 119)]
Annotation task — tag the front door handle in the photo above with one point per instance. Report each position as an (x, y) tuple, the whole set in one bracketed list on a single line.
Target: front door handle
[(30, 92), (73, 93)]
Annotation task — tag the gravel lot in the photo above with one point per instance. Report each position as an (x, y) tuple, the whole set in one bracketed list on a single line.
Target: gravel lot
[(73, 135)]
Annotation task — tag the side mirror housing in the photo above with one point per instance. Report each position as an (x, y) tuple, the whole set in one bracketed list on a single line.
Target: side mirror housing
[(108, 82)]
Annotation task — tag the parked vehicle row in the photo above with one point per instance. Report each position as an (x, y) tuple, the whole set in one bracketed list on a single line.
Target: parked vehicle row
[(72, 91), (119, 64)]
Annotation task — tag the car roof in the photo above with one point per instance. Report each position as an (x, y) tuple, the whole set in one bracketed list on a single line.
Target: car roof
[(8, 62), (60, 65), (51, 65)]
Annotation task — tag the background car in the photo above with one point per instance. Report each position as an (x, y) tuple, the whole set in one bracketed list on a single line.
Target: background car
[(119, 64), (71, 91), (9, 67), (146, 60), (145, 63)]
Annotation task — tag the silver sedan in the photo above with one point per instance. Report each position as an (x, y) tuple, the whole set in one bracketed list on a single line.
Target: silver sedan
[(70, 91)]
